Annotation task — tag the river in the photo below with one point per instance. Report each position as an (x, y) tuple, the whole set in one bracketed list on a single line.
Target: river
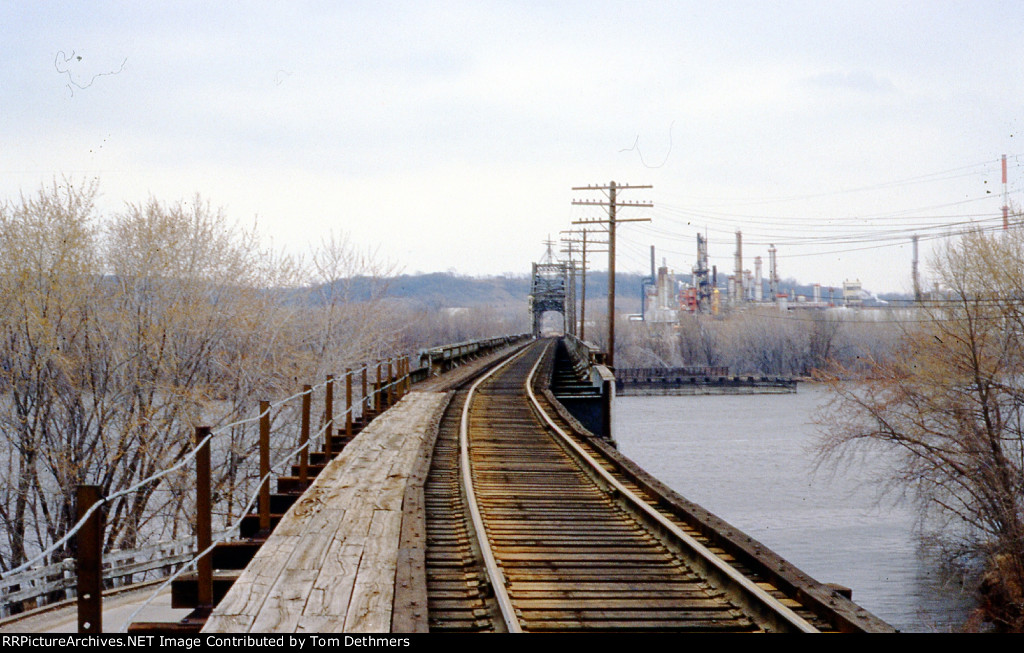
[(749, 459)]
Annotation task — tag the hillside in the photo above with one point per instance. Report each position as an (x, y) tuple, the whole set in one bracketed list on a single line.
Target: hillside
[(445, 290)]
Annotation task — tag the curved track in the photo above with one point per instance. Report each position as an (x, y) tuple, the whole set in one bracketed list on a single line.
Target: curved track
[(569, 542)]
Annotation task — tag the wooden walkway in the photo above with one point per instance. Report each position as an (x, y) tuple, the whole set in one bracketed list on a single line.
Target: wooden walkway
[(335, 560)]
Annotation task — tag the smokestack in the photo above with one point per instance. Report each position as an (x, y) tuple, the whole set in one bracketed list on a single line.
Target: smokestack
[(773, 273), (653, 276), (738, 276), (758, 290)]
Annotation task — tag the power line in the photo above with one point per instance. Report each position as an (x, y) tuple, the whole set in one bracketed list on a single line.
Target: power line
[(613, 203), (942, 175)]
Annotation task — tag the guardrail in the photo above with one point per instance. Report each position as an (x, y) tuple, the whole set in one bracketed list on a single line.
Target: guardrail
[(441, 359), (55, 582), (645, 374), (582, 352), (588, 364)]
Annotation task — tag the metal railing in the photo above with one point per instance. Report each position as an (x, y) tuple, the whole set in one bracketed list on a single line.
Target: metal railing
[(47, 584)]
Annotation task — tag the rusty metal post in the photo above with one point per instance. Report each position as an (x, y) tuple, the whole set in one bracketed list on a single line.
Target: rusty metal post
[(89, 562), (329, 416), (204, 524), (265, 466), (307, 392), (348, 403), (408, 375)]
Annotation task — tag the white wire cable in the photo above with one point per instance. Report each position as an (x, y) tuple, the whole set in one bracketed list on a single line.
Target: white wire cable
[(231, 529), (253, 498), (155, 477)]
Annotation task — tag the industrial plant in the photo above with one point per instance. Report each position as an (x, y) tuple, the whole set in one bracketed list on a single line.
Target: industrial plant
[(665, 297)]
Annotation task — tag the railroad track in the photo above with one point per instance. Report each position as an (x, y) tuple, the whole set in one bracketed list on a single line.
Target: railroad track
[(532, 527)]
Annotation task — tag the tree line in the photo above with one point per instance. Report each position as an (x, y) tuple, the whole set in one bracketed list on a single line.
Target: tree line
[(760, 340), (120, 333)]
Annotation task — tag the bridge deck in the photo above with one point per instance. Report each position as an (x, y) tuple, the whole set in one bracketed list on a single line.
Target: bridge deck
[(330, 565), (350, 555)]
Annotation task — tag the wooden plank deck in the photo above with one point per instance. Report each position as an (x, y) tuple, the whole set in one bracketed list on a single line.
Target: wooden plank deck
[(330, 565)]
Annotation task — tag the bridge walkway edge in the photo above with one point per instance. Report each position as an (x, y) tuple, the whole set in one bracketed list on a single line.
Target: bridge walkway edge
[(346, 555)]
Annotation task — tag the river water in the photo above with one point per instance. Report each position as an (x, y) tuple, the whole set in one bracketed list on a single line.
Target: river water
[(749, 459)]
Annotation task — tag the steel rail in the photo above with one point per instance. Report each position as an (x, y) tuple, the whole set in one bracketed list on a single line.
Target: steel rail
[(497, 578), (746, 585)]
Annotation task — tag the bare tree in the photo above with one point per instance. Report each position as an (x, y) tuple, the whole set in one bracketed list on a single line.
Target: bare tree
[(47, 420), (120, 334), (947, 406)]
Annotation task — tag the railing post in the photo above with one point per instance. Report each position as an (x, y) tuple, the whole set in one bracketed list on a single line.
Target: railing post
[(307, 392), (69, 571), (265, 467), (90, 562), (204, 526), (348, 403), (399, 379), (391, 385), (395, 382), (329, 416), (366, 396), (378, 400)]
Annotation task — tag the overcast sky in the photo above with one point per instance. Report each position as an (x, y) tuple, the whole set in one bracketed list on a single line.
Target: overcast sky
[(448, 135)]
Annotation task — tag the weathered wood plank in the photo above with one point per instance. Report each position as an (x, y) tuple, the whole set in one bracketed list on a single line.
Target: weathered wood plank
[(330, 565), (373, 593), (410, 612), (281, 610), (331, 593), (246, 596)]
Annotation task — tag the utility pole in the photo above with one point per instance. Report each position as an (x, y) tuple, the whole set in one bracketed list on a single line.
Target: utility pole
[(583, 277), (913, 272), (570, 309), (613, 204), (1006, 199)]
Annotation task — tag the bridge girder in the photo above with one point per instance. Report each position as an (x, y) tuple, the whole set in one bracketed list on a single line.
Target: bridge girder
[(548, 292)]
